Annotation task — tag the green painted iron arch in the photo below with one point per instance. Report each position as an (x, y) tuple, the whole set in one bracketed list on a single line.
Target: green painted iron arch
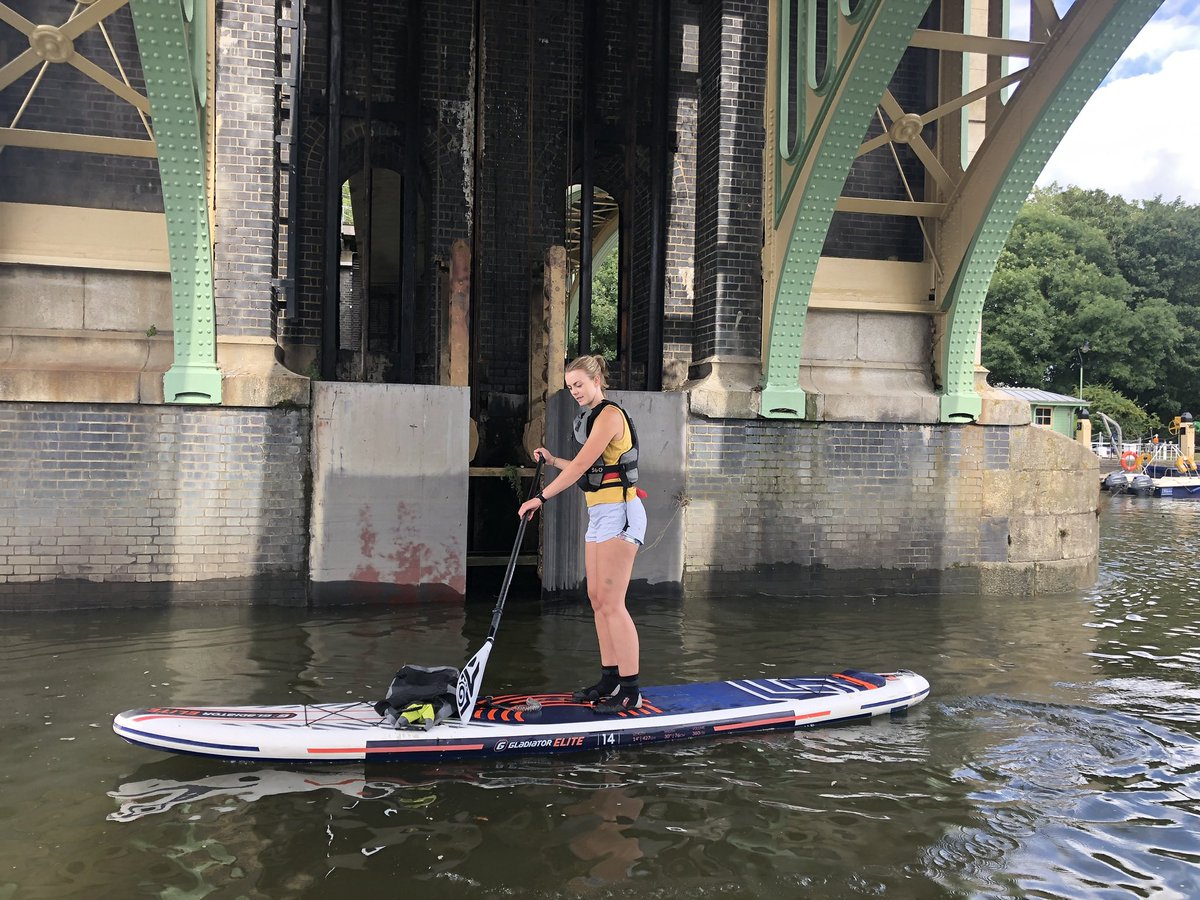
[(819, 119), (172, 42), (816, 120), (980, 215)]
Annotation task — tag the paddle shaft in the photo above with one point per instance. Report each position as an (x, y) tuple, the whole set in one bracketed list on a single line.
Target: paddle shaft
[(471, 677), (512, 559)]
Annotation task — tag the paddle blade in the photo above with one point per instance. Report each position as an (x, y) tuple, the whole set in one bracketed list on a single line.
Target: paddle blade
[(469, 680)]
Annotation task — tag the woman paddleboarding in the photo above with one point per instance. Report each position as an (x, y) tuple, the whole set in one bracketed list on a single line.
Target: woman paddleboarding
[(606, 469)]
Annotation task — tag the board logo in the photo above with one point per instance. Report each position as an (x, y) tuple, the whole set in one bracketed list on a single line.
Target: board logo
[(561, 743), (217, 713)]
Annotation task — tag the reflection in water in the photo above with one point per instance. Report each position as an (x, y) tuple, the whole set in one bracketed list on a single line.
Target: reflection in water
[(599, 832), (1058, 755), (138, 799)]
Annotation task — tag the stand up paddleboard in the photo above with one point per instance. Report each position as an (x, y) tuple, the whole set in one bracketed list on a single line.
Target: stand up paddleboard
[(516, 723), (520, 723)]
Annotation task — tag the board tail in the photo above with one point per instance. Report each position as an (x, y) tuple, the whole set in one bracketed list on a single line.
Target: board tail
[(470, 679)]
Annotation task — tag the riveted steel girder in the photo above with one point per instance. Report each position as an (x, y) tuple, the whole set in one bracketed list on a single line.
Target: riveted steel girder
[(815, 123), (170, 36), (984, 206)]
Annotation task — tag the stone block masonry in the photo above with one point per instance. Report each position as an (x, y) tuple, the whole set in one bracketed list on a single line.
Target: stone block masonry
[(907, 507), (126, 504)]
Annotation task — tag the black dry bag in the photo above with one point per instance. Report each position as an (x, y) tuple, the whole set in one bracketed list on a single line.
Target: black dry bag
[(419, 697)]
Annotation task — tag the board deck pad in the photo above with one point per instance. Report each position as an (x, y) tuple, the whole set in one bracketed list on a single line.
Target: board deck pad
[(512, 724)]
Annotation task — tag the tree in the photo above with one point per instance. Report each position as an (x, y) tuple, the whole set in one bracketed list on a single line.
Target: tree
[(1135, 422), (1017, 328), (1061, 284), (605, 293)]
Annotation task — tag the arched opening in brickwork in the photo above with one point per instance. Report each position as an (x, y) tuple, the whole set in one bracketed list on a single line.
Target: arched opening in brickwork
[(607, 299), (372, 259)]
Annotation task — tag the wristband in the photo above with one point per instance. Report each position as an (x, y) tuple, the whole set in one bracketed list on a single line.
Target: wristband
[(540, 496)]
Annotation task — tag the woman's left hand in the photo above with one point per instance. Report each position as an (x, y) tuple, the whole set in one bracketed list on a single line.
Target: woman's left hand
[(528, 508)]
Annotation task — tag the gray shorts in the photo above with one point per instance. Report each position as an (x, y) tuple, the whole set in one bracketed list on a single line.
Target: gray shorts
[(607, 521)]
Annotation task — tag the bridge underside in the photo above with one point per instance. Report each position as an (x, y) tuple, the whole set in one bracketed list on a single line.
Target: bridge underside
[(779, 211)]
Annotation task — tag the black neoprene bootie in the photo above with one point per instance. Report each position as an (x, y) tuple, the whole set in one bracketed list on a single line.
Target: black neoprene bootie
[(605, 687), (627, 696)]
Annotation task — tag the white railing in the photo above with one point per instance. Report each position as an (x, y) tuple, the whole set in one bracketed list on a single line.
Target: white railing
[(1161, 452)]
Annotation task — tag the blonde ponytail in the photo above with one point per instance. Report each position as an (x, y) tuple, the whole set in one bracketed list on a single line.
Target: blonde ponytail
[(592, 366)]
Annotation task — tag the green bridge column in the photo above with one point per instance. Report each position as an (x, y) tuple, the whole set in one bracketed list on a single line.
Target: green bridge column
[(831, 116), (1080, 53), (172, 38)]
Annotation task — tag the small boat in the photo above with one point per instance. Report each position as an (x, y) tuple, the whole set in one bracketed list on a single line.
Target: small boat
[(1135, 483), (1177, 487)]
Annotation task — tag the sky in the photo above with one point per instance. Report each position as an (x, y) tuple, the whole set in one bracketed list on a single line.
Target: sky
[(1139, 135)]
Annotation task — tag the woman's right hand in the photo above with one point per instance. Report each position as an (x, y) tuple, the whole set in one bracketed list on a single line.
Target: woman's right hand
[(528, 508), (545, 455)]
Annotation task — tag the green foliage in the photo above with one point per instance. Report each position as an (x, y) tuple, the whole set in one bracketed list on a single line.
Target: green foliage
[(347, 206), (605, 293), (512, 474), (1135, 422), (1085, 267)]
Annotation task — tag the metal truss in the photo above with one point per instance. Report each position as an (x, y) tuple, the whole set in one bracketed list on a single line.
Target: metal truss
[(173, 45), (815, 122), (51, 44), (973, 189)]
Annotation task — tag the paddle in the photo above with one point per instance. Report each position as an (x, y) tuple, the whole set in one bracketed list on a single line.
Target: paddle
[(471, 676)]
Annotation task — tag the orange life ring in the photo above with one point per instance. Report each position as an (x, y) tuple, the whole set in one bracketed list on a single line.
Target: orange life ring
[(1129, 460)]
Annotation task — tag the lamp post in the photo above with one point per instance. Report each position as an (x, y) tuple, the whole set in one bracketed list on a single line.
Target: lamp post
[(1080, 351)]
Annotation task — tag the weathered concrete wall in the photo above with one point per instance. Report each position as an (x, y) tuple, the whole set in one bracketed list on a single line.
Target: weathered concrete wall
[(51, 297), (125, 504), (75, 335), (992, 508), (860, 366), (389, 505), (659, 420), (83, 335)]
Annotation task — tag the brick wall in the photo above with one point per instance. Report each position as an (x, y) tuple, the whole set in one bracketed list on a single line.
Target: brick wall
[(522, 189), (681, 223), (876, 175), (727, 316), (924, 504), (531, 64), (244, 233), (144, 495)]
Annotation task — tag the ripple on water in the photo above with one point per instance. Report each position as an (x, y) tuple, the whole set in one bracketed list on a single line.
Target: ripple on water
[(1057, 756), (1073, 801)]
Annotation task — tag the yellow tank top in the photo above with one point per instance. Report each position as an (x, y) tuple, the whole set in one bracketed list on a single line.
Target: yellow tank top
[(611, 454)]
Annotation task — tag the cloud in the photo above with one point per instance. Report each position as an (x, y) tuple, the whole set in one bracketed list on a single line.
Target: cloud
[(1136, 137), (1169, 32)]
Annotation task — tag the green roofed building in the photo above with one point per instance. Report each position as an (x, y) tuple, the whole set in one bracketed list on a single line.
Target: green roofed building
[(1058, 412)]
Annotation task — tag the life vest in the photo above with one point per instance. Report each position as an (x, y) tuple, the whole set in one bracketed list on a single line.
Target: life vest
[(625, 470)]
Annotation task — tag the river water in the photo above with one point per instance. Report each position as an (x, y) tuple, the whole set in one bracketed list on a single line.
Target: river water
[(1058, 754)]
